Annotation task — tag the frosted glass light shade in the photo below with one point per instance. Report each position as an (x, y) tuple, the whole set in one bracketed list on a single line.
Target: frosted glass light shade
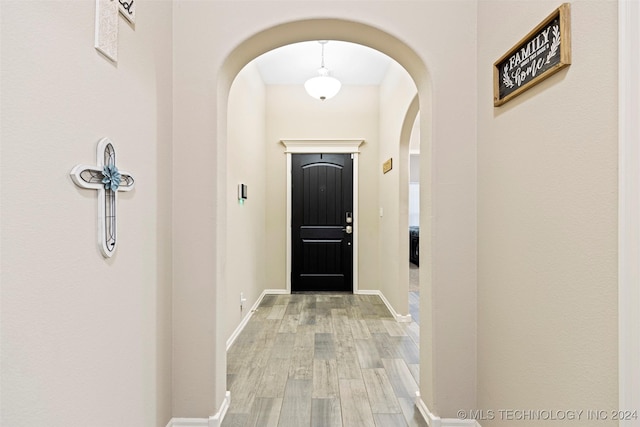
[(323, 86)]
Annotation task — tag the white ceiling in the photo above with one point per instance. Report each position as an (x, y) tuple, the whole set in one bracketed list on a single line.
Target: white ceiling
[(351, 63)]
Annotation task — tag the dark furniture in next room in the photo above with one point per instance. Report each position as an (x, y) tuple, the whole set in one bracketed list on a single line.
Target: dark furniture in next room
[(414, 244)]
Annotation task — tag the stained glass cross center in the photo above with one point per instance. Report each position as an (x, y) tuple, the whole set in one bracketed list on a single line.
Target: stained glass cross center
[(107, 180)]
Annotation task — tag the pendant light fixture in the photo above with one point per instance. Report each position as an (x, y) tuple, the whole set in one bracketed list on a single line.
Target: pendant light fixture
[(323, 86)]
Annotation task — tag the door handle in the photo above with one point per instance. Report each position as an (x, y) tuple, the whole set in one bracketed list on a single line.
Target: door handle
[(348, 229)]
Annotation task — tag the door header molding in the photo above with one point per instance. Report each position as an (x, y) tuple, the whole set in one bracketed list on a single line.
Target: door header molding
[(310, 145)]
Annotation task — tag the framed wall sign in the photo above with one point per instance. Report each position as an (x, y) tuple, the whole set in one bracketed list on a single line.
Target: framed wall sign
[(387, 166), (541, 53)]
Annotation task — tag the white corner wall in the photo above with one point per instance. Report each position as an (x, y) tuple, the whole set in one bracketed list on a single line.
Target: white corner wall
[(397, 92), (246, 223), (85, 340), (547, 220)]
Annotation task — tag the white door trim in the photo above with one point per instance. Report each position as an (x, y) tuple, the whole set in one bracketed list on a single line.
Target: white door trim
[(629, 206), (328, 146)]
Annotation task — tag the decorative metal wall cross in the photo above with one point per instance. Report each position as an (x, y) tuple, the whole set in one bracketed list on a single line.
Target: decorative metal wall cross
[(106, 38), (108, 181)]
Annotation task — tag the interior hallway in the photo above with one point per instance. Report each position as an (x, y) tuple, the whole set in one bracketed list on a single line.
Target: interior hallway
[(324, 360)]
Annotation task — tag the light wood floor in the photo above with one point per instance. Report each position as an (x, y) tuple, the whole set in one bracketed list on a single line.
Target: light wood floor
[(324, 360)]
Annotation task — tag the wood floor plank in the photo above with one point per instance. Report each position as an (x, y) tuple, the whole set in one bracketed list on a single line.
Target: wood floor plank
[(341, 300), (325, 378), (308, 316), (359, 329), (414, 368), (324, 346), (347, 359), (294, 307), (375, 299), (309, 301), (413, 331), (408, 349), (283, 346), (350, 299), (324, 323), (301, 366), (414, 306), (284, 299), (381, 395), (411, 413), (268, 300), (289, 324), (326, 413), (277, 312), (389, 420), (375, 326), (387, 349), (243, 389), (400, 377), (394, 328), (262, 312), (324, 308), (322, 298), (235, 420), (366, 308), (296, 405), (340, 322), (356, 411), (382, 311), (265, 412), (354, 312), (368, 355), (338, 312), (273, 379)]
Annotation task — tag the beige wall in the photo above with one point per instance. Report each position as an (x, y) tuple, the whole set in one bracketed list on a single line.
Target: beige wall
[(353, 113), (247, 164), (397, 91), (547, 220), (83, 337)]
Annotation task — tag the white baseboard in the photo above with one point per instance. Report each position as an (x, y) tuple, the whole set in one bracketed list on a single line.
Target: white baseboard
[(212, 421), (399, 317), (216, 420), (435, 421), (276, 292), (188, 422), (254, 307)]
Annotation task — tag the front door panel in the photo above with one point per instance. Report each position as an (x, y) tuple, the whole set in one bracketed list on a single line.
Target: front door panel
[(322, 206)]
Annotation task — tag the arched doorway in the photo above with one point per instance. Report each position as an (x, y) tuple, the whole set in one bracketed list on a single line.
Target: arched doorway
[(409, 240), (212, 43), (323, 29)]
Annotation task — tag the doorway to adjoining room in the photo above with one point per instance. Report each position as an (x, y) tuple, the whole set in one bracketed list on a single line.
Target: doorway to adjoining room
[(414, 221)]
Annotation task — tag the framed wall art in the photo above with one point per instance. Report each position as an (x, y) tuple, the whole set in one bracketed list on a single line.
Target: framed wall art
[(540, 54)]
